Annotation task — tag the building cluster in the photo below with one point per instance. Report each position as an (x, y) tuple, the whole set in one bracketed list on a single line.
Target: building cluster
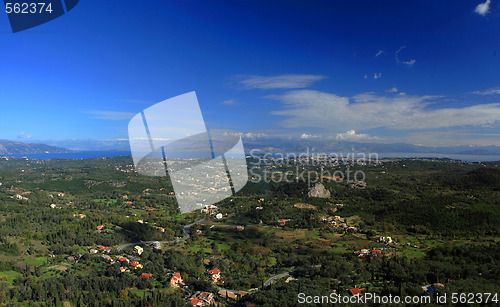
[(138, 250), (386, 239), (214, 274), (100, 249), (20, 197), (357, 184), (431, 288), (176, 280), (284, 221), (367, 253), (202, 299), (210, 209), (232, 294), (337, 222)]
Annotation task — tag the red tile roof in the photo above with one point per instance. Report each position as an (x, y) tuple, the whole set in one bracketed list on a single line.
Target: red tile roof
[(214, 271), (356, 291)]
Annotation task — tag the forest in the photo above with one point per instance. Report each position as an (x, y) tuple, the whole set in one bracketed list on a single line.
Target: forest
[(443, 218)]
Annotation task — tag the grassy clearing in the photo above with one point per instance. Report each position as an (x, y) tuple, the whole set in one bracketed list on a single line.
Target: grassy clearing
[(196, 249), (223, 246), (105, 201), (9, 276), (37, 261)]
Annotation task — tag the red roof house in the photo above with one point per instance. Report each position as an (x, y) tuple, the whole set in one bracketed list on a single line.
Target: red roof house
[(355, 291), (176, 280), (214, 274)]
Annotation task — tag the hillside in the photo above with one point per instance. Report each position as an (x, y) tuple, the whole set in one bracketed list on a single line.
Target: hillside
[(17, 148)]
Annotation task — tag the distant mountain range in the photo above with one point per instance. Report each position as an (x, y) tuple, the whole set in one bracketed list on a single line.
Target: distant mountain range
[(273, 145), (333, 146), (17, 148), (89, 144)]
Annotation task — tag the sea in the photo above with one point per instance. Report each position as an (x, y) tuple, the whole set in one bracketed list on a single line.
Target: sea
[(73, 155), (109, 153)]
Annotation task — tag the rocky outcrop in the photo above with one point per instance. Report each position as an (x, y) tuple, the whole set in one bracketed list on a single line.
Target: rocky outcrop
[(319, 190)]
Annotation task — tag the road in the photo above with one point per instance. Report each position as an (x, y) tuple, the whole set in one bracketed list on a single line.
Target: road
[(185, 229), (269, 282), (273, 279)]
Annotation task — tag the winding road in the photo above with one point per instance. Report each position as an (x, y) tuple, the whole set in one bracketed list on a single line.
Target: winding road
[(273, 279), (185, 229)]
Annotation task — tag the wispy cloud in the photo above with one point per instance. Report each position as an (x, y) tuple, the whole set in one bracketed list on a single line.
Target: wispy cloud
[(147, 139), (393, 90), (248, 135), (400, 48), (483, 8), (379, 53), (255, 135), (377, 75), (136, 101), (289, 81), (352, 136), (231, 102), (491, 91), (409, 63), (112, 115), (320, 110), (365, 76)]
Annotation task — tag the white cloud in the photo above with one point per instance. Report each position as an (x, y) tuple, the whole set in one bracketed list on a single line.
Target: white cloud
[(380, 52), (146, 139), (289, 81), (393, 90), (251, 135), (352, 136), (112, 115), (309, 136), (483, 8), (332, 113), (491, 91), (23, 135), (376, 76)]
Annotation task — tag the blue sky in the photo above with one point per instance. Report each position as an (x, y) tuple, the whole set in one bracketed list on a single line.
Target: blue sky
[(419, 72)]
